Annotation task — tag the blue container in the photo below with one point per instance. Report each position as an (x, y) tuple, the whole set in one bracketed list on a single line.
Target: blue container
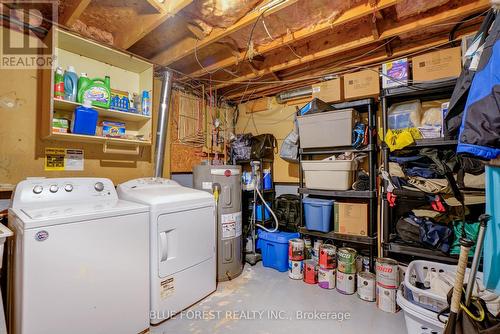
[(318, 213), (84, 120), (268, 183), (274, 248), (258, 214)]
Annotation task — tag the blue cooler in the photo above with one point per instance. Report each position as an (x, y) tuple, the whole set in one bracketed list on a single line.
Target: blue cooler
[(274, 248), (318, 213)]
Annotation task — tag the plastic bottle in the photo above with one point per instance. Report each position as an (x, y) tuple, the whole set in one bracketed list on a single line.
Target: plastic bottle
[(70, 84), (59, 84), (146, 103), (96, 90), (84, 119)]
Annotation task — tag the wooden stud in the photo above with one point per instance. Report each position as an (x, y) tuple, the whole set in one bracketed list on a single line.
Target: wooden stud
[(348, 16), (73, 11), (393, 31), (144, 25), (187, 46)]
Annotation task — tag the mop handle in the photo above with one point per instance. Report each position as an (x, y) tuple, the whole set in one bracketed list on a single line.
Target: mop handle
[(459, 280)]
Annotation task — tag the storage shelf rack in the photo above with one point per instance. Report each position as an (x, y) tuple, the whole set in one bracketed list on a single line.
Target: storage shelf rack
[(423, 92), (369, 107)]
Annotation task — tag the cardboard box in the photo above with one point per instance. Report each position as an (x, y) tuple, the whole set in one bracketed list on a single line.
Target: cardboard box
[(361, 84), (351, 218), (328, 91), (395, 73), (437, 65)]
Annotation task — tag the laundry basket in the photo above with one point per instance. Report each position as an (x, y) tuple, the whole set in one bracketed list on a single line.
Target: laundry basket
[(419, 320), (425, 298)]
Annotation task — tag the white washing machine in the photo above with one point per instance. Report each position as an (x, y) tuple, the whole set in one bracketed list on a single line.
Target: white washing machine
[(79, 259), (183, 243)]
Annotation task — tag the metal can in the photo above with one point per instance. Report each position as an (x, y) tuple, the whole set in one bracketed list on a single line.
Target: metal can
[(326, 278), (346, 260), (310, 272), (317, 245), (328, 256), (362, 263), (346, 283), (387, 271), (295, 269), (386, 299), (366, 286), (296, 249)]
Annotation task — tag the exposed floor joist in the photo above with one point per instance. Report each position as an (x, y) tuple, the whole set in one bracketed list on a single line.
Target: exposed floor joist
[(392, 31), (150, 22), (348, 16), (73, 11), (187, 46)]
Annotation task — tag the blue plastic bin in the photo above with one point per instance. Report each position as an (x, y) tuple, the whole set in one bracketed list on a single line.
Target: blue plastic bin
[(318, 213), (258, 212), (274, 248)]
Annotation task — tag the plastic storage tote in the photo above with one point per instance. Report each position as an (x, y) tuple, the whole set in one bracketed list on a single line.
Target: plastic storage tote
[(318, 213), (417, 270), (419, 320), (329, 174), (326, 129), (274, 248)]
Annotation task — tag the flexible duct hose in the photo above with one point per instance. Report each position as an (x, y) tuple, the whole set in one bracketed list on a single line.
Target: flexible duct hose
[(270, 210)]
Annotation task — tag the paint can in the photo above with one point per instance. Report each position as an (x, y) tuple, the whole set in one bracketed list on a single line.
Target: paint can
[(386, 299), (346, 283), (387, 271), (366, 286), (310, 272), (326, 278), (307, 249), (328, 256), (346, 260), (295, 269), (296, 249), (362, 263)]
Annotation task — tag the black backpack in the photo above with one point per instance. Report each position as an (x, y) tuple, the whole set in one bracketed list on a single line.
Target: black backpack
[(287, 210)]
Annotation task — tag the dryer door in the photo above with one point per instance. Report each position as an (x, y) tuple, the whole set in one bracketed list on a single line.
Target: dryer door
[(185, 239)]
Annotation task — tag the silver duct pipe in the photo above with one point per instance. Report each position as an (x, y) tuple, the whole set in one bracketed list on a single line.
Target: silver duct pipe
[(292, 94), (162, 125)]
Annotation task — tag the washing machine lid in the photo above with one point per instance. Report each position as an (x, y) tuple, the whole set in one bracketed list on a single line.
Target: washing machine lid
[(36, 216), (162, 193)]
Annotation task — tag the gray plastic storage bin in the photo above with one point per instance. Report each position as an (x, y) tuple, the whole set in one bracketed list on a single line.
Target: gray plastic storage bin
[(326, 129), (329, 174)]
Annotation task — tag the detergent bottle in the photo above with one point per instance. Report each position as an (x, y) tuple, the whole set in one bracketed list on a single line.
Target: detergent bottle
[(96, 90), (83, 81), (59, 84), (70, 84)]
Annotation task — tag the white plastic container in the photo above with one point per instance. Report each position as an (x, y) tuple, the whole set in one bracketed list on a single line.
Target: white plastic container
[(326, 129), (425, 298), (329, 174), (419, 320)]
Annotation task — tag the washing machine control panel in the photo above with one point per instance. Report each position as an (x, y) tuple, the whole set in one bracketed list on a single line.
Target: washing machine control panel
[(147, 182), (38, 190)]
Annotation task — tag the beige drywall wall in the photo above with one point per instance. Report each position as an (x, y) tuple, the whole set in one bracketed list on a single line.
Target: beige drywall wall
[(277, 120)]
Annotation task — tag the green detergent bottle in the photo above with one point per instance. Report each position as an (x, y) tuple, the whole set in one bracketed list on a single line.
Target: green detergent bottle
[(96, 90)]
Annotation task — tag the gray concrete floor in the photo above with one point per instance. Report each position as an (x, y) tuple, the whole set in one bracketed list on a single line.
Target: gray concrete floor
[(263, 300)]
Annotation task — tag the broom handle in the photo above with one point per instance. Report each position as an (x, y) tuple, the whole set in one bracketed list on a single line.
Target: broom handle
[(459, 280), (483, 221)]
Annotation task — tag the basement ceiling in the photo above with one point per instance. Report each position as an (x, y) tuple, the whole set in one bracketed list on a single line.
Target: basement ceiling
[(244, 46)]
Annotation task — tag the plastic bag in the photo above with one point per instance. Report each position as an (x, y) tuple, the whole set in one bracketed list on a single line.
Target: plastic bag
[(404, 115)]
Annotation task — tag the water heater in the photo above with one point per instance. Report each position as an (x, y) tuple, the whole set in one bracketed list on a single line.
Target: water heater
[(224, 181)]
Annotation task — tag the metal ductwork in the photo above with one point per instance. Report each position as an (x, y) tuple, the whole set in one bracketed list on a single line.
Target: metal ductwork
[(293, 94), (162, 125)]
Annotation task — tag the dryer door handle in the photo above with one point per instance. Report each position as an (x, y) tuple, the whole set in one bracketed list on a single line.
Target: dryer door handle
[(166, 245)]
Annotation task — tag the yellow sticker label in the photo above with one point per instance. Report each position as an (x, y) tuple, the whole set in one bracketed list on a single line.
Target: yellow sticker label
[(54, 158)]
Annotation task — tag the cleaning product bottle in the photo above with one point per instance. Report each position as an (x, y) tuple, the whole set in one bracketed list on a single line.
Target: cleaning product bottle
[(84, 119), (83, 81), (146, 103), (96, 90), (59, 84), (70, 84)]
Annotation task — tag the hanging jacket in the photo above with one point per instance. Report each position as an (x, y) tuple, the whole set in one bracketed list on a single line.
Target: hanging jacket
[(480, 130)]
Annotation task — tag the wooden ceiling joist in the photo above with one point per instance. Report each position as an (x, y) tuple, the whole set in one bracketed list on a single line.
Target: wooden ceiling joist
[(393, 31), (187, 46), (348, 16), (73, 11), (148, 23)]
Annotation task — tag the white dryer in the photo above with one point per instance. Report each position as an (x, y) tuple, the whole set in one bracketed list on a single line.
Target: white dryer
[(79, 261), (183, 243)]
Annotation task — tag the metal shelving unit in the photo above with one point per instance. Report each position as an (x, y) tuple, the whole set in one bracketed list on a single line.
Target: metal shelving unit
[(366, 106), (423, 92)]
